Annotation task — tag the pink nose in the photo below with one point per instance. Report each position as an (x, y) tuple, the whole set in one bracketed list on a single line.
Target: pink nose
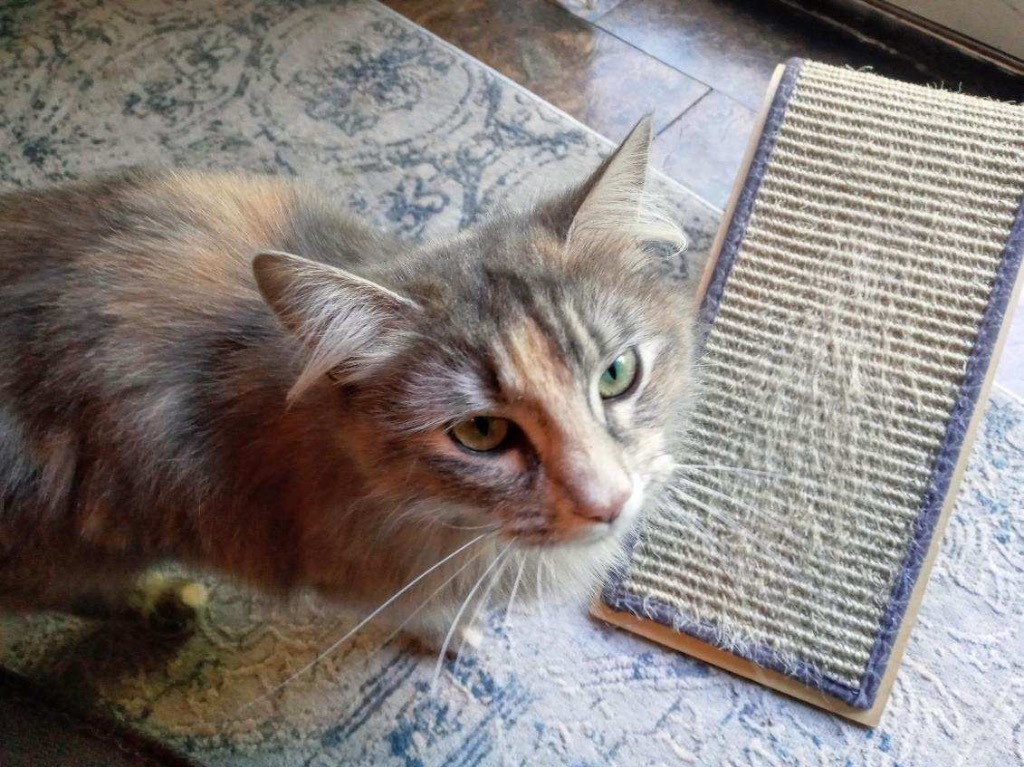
[(605, 508)]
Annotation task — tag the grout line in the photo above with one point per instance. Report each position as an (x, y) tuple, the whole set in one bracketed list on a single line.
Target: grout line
[(596, 28), (610, 10), (683, 72), (680, 116), (604, 30), (456, 50), (1007, 391)]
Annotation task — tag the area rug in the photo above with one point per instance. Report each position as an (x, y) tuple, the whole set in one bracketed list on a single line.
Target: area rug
[(421, 139)]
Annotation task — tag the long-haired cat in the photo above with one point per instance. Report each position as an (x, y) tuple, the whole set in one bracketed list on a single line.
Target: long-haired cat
[(176, 385)]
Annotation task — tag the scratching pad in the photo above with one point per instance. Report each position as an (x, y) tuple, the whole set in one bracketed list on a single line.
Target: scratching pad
[(852, 317)]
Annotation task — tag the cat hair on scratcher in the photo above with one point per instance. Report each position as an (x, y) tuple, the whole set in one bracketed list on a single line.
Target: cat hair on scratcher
[(225, 371), (851, 321)]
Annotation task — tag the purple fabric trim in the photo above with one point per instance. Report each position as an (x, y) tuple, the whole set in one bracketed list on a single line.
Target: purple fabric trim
[(748, 196), (946, 460), (655, 610), (616, 596)]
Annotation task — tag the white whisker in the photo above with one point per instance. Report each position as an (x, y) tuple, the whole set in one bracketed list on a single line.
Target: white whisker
[(707, 467), (717, 515), (427, 599), (515, 589), (552, 579), (720, 495), (479, 606), (540, 592), (699, 527), (800, 480), (458, 617), (490, 526), (336, 644)]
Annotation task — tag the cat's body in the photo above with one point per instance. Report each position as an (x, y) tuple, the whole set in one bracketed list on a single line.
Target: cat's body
[(292, 428), (144, 381)]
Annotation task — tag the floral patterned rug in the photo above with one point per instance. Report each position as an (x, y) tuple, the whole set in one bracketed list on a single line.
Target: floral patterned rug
[(421, 139)]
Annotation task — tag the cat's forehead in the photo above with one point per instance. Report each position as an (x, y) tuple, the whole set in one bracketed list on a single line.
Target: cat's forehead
[(528, 358), (520, 307), (532, 317)]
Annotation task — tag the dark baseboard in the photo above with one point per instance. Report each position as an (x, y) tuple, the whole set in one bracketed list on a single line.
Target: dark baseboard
[(985, 70), (39, 727)]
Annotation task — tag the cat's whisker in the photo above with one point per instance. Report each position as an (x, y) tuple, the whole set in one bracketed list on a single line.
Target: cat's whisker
[(490, 526), (700, 530), (552, 577), (699, 527), (427, 600), (732, 521), (708, 467), (720, 495), (717, 514), (515, 590), (413, 466), (798, 479), (396, 510), (481, 604), (540, 591), (337, 643), (458, 616)]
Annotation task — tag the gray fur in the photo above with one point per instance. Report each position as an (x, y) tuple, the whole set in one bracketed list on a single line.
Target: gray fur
[(144, 385)]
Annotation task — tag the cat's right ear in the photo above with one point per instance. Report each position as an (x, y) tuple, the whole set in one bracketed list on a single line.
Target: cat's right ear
[(348, 325), (610, 201)]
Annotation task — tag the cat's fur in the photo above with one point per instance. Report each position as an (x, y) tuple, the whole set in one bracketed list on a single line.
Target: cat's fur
[(159, 401)]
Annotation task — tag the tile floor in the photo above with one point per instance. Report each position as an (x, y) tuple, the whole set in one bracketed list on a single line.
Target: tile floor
[(701, 67)]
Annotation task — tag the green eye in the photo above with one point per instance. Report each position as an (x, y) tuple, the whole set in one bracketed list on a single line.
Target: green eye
[(619, 376), (481, 433)]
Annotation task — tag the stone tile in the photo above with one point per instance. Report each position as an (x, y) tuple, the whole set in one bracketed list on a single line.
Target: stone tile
[(703, 149), (1010, 373), (598, 79), (734, 46), (588, 9)]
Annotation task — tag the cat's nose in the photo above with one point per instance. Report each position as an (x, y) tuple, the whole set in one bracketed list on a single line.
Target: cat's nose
[(605, 504)]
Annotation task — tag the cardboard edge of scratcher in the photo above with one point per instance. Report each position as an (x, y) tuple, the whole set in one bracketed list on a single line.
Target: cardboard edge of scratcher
[(737, 190), (716, 656)]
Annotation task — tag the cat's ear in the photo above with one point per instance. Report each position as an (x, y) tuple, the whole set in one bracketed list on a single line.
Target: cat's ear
[(348, 325), (612, 198)]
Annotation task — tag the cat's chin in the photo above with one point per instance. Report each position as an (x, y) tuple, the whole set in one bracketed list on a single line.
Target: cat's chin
[(578, 568), (574, 569), (580, 564)]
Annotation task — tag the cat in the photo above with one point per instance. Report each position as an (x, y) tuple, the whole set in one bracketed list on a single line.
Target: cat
[(226, 372)]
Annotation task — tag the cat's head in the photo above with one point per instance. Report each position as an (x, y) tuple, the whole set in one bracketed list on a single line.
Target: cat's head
[(527, 376)]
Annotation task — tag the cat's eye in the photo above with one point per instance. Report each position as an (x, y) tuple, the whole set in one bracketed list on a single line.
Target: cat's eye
[(618, 378), (482, 433)]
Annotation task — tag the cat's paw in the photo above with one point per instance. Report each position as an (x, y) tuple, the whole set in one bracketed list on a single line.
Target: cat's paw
[(429, 643), (170, 605), (472, 638)]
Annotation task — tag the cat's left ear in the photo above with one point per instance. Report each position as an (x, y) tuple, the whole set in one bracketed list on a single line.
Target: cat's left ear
[(611, 200), (348, 325)]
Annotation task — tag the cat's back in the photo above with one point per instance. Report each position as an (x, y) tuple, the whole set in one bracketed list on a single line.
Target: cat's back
[(189, 231), (157, 248), (129, 277), (106, 276), (129, 315)]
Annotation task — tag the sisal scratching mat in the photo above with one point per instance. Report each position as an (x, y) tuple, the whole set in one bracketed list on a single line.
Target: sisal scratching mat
[(854, 306)]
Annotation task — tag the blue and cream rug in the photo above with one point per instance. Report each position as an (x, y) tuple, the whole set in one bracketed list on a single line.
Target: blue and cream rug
[(412, 134)]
